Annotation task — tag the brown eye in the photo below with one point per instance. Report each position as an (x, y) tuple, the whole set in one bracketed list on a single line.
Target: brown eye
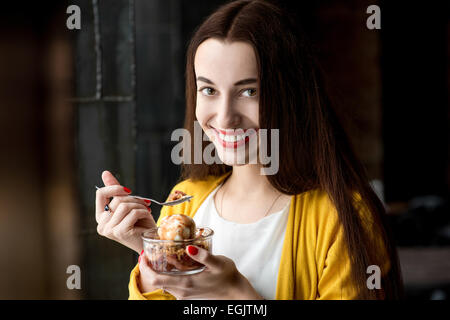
[(208, 91), (249, 92)]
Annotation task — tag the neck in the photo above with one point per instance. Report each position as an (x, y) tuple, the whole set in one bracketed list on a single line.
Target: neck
[(247, 180)]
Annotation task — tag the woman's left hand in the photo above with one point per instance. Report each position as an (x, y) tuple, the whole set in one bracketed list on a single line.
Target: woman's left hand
[(219, 281)]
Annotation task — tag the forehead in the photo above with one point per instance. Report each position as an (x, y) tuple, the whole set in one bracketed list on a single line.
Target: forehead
[(224, 62)]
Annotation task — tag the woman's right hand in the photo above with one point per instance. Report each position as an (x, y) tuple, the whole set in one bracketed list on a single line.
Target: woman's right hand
[(128, 217)]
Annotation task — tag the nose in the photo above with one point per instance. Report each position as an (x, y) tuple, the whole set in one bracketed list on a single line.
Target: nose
[(227, 115)]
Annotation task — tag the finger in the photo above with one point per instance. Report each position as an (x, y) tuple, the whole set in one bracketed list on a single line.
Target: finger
[(119, 199), (148, 276), (144, 265), (103, 216), (158, 280), (102, 222), (125, 228), (125, 209), (172, 284), (139, 230), (109, 179), (203, 256), (103, 195), (182, 266)]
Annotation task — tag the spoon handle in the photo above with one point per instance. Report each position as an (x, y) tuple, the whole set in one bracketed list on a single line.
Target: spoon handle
[(168, 203)]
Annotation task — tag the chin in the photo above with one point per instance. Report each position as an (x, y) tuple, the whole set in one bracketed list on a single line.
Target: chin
[(237, 157)]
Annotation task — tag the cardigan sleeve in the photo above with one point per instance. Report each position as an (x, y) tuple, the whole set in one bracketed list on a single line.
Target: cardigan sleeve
[(335, 282), (335, 279)]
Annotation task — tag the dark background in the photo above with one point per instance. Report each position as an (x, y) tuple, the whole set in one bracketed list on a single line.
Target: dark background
[(124, 89)]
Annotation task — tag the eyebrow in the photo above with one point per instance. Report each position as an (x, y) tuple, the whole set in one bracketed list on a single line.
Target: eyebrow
[(239, 83)]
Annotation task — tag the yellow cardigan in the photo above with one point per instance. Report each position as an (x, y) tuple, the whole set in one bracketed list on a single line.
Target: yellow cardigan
[(314, 261)]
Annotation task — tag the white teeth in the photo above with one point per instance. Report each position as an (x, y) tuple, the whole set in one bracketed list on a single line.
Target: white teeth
[(231, 138)]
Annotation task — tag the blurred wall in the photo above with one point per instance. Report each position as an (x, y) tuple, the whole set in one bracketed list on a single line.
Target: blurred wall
[(105, 100), (38, 216)]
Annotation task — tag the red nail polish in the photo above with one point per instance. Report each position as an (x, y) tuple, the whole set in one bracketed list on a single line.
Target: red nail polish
[(139, 260), (147, 201), (149, 210), (192, 250), (127, 190)]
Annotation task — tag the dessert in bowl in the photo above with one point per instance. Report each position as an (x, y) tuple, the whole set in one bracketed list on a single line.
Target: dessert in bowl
[(166, 245), (176, 195)]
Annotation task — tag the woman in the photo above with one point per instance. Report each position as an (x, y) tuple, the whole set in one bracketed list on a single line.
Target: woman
[(309, 231)]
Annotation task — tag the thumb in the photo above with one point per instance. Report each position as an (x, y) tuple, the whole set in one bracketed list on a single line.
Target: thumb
[(109, 179), (203, 256)]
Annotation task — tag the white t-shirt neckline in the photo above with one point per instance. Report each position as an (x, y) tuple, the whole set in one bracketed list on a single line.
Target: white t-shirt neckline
[(254, 247), (216, 212)]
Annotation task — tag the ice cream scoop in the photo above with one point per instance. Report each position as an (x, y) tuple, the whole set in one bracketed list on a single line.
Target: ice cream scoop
[(176, 195), (176, 227)]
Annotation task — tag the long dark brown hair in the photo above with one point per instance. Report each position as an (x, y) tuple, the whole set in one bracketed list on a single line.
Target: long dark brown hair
[(316, 152)]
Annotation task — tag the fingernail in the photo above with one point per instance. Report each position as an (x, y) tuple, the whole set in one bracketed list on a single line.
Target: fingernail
[(139, 260), (149, 210), (192, 250), (127, 190), (147, 201)]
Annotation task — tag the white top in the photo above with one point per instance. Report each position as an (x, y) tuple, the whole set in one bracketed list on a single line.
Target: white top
[(255, 247)]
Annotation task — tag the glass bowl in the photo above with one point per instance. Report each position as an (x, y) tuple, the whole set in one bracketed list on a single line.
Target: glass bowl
[(170, 256)]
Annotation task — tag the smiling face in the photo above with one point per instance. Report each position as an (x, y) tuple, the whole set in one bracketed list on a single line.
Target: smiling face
[(228, 98)]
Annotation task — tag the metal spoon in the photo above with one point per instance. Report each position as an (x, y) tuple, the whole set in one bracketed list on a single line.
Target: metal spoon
[(167, 203)]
